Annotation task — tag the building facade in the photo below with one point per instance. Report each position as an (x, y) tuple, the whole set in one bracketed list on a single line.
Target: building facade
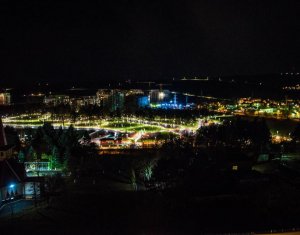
[(159, 96), (5, 98), (56, 99), (116, 100)]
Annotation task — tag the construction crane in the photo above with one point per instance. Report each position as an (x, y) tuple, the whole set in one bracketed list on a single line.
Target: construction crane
[(161, 85), (149, 83), (175, 97)]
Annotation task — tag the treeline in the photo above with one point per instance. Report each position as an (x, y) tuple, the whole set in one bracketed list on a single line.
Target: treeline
[(60, 147), (176, 114), (236, 132)]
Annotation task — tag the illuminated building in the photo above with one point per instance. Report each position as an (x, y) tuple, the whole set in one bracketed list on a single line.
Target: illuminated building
[(134, 92), (135, 102), (102, 97), (116, 100), (143, 101), (112, 99), (5, 98), (164, 99), (88, 100), (135, 99), (159, 96), (83, 100), (56, 99)]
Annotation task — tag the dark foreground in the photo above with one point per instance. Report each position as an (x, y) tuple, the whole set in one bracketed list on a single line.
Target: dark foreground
[(91, 210)]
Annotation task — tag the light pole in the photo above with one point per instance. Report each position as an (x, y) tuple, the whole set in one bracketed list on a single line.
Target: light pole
[(11, 204)]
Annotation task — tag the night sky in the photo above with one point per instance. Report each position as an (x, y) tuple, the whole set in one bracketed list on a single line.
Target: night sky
[(42, 40)]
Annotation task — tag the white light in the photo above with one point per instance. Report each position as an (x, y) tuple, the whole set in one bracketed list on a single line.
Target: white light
[(161, 95)]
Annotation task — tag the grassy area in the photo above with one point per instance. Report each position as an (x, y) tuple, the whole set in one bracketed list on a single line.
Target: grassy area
[(24, 122), (125, 126), (119, 126)]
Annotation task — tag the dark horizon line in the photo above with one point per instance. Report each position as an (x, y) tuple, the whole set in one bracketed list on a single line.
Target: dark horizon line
[(154, 79)]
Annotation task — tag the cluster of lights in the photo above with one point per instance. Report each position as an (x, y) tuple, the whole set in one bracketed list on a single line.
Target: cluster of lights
[(278, 138), (168, 106), (290, 73), (296, 87)]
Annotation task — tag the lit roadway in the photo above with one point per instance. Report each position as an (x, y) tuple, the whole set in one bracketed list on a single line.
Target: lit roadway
[(165, 125)]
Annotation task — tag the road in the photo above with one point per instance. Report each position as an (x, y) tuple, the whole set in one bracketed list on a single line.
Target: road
[(15, 207)]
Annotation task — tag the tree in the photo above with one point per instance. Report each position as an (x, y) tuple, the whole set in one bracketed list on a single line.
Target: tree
[(296, 133), (237, 132), (67, 159), (55, 160), (74, 115), (70, 138), (31, 154), (21, 156), (263, 134), (48, 129), (133, 179), (12, 136), (147, 172), (37, 139), (49, 136), (86, 139), (28, 134)]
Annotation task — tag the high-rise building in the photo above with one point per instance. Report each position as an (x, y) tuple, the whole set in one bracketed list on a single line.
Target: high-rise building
[(111, 99), (116, 100), (102, 97)]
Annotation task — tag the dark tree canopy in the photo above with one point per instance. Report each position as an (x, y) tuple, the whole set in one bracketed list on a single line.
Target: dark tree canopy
[(236, 132)]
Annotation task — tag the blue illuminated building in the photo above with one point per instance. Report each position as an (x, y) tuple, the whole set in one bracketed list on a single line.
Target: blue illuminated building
[(143, 101), (177, 102)]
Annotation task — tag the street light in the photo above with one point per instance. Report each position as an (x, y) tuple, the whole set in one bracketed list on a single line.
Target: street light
[(11, 205), (11, 188)]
